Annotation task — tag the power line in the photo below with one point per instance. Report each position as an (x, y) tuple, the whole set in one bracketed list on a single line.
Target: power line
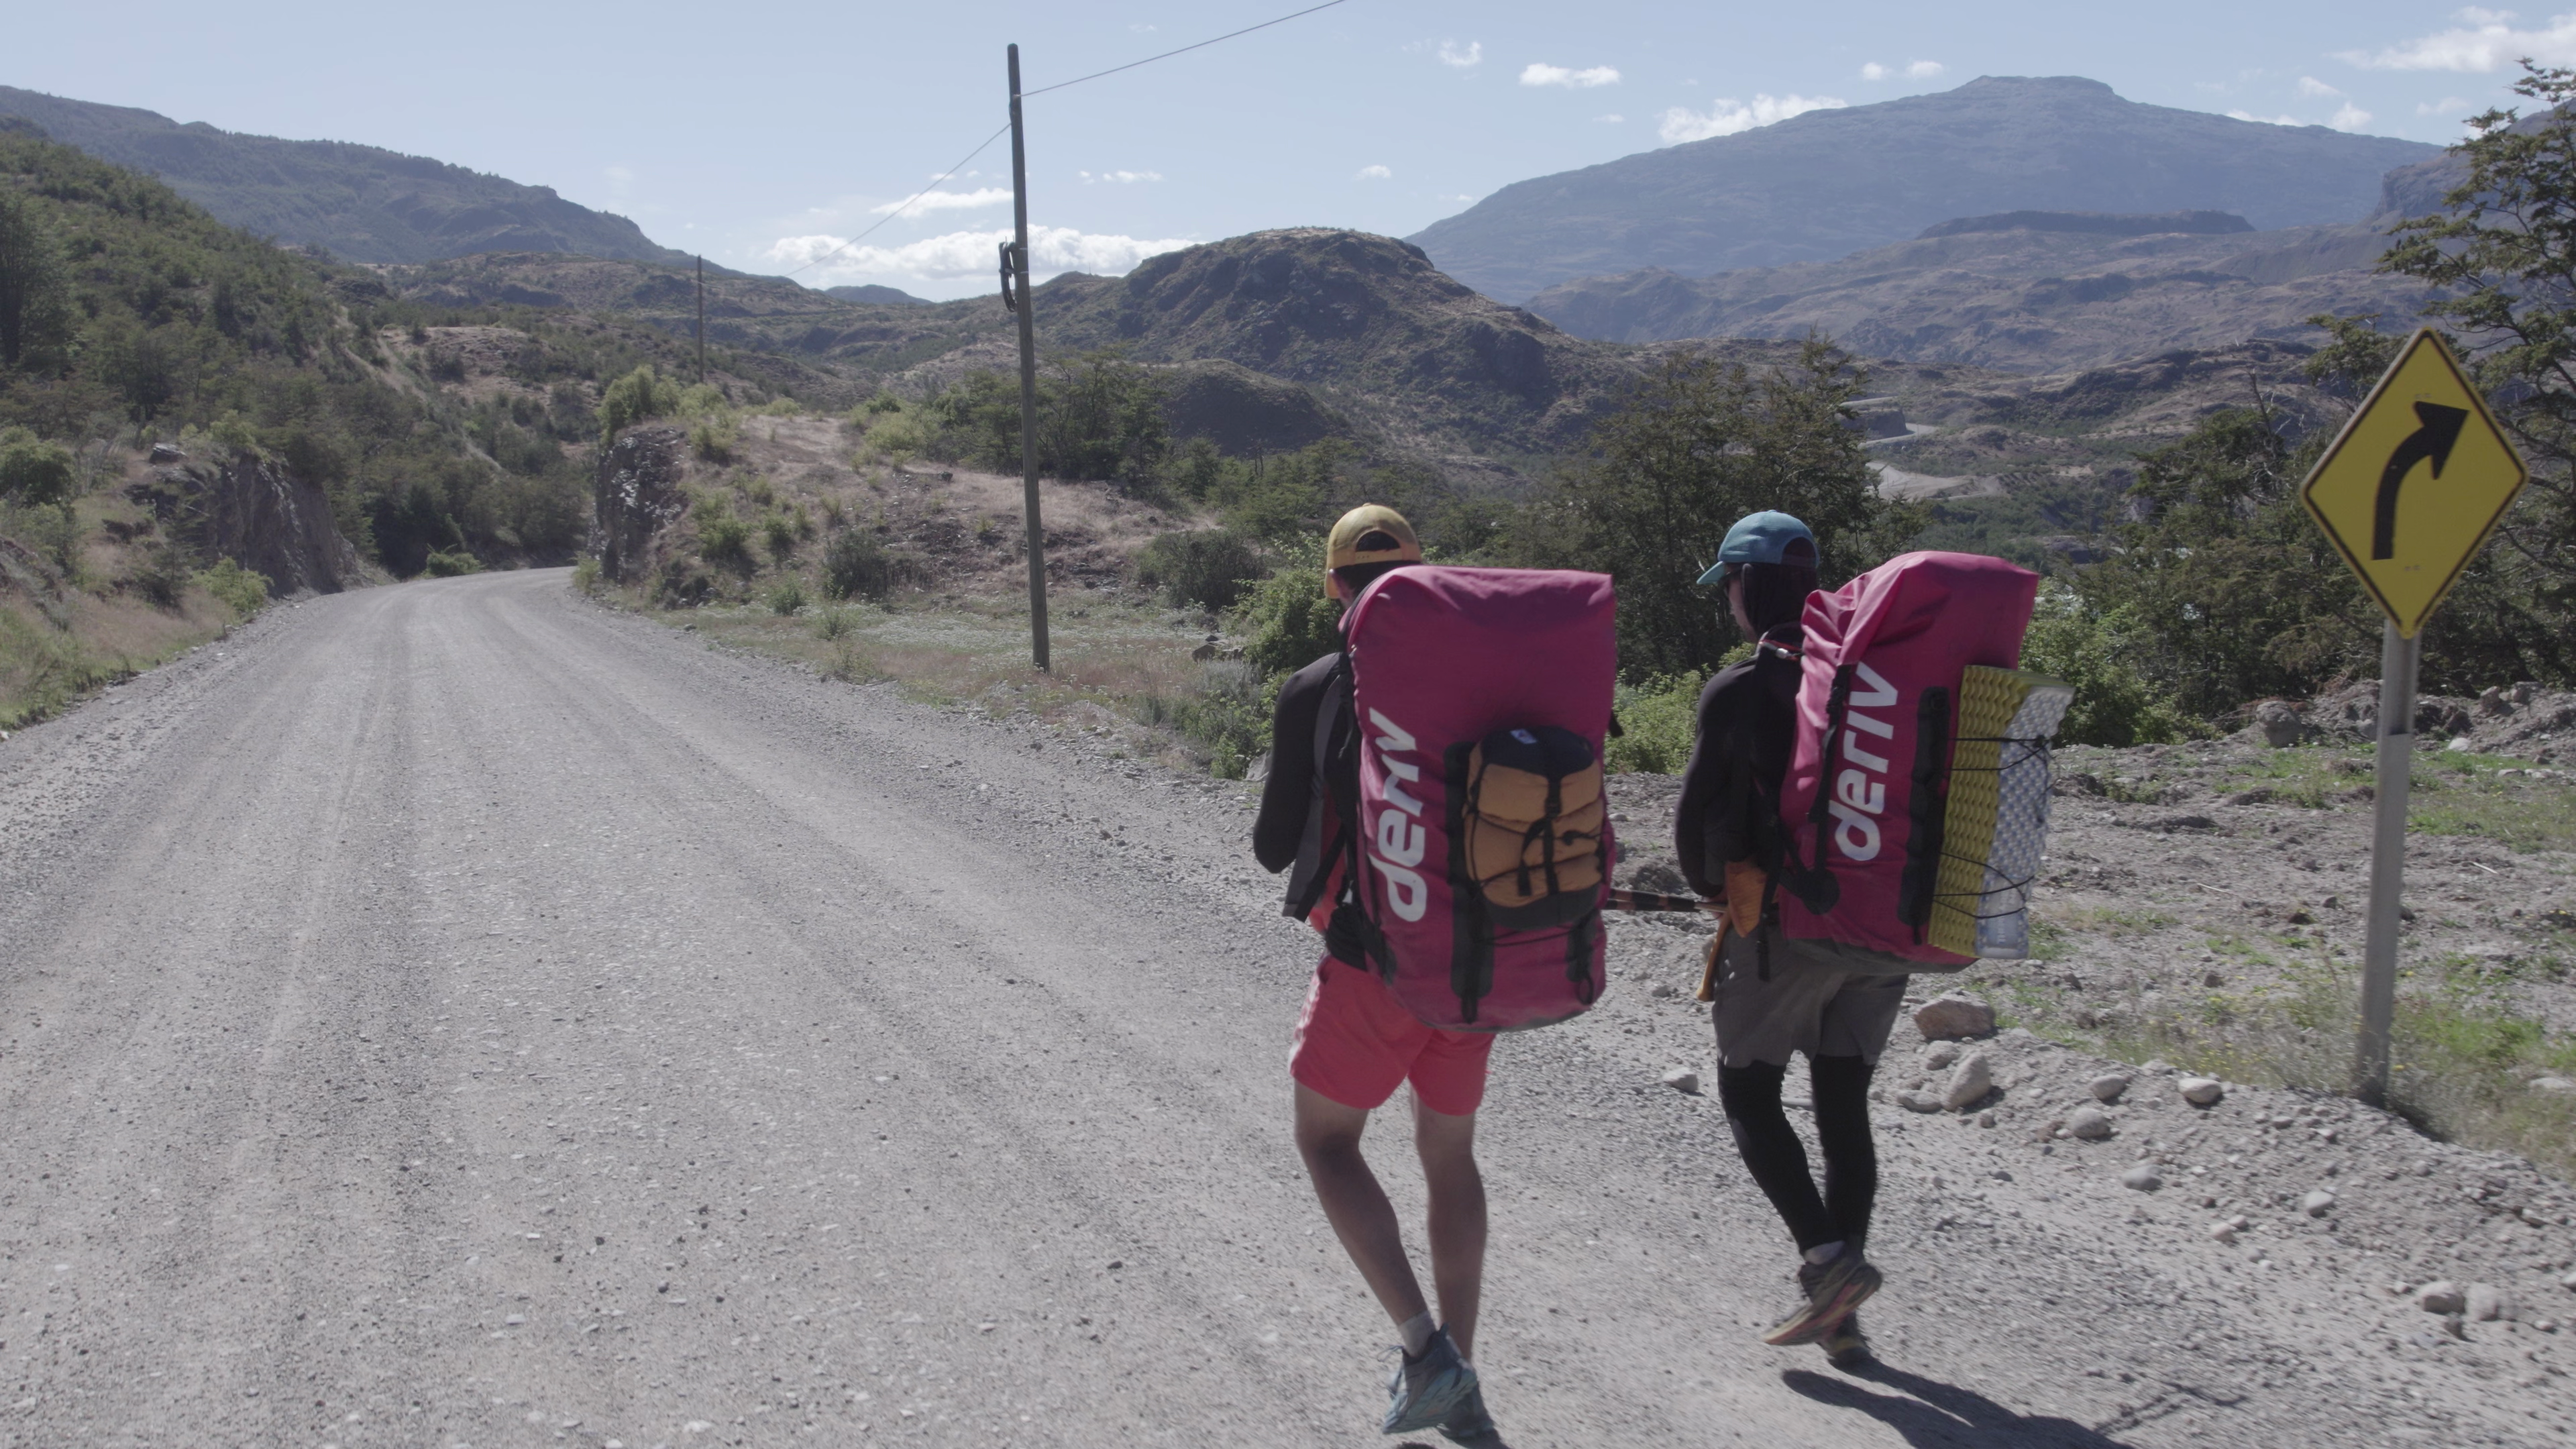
[(917, 196), (1167, 55), (914, 200)]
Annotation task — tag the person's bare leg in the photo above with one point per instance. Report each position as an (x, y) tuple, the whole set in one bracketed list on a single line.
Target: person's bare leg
[(1328, 1137), (1457, 1192)]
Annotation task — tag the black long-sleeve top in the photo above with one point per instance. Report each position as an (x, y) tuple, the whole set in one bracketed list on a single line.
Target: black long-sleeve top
[(1730, 803), (1290, 788)]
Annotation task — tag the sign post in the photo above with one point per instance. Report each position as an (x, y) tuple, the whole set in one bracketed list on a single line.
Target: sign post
[(2408, 494)]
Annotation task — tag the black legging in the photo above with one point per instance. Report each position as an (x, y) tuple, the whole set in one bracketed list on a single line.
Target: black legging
[(1778, 1161)]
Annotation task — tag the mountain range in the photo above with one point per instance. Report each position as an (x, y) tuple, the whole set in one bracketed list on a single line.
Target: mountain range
[(1829, 183), (2040, 293), (360, 203)]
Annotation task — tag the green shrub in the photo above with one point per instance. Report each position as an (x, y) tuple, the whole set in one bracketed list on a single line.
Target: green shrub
[(240, 590), (780, 532), (722, 538), (1661, 720), (715, 438), (786, 596), (833, 622), (1210, 568), (2094, 649), (160, 575), (449, 563), (1230, 714), (856, 566), (1286, 620), (33, 471), (631, 399), (586, 575)]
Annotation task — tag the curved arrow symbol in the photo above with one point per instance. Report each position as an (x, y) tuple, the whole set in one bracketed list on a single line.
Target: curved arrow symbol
[(2434, 440)]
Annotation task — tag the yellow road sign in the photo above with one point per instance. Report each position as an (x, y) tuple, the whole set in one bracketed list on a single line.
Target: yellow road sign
[(2415, 482)]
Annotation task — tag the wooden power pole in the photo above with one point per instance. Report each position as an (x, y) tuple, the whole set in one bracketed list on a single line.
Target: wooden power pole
[(1016, 269), (702, 319)]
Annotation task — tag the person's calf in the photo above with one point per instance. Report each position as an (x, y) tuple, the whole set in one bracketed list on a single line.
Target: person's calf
[(1456, 1206)]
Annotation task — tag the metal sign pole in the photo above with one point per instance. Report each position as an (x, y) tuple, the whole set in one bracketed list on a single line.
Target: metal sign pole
[(2399, 657), (1028, 382)]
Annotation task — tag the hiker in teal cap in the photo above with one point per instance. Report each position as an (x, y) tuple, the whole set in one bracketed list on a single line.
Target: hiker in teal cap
[(1764, 538), (1730, 841)]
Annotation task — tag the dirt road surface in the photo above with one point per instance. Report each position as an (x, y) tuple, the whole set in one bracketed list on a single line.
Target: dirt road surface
[(454, 1014)]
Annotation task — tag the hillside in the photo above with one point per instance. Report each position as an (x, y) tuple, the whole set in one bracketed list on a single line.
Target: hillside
[(362, 203), (1336, 321), (1829, 183), (2030, 291)]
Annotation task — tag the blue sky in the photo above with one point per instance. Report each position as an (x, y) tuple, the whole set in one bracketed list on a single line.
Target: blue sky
[(752, 132)]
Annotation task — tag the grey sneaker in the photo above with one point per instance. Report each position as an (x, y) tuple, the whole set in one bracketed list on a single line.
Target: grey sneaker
[(1833, 1291), (1424, 1391), (1469, 1425), (1845, 1346)]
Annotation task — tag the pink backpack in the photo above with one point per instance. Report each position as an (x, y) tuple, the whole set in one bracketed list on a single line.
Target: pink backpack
[(1481, 697), (1884, 658)]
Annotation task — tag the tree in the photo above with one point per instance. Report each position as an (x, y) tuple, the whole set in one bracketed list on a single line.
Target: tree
[(33, 471), (2228, 591), (1700, 443), (2501, 258), (35, 288)]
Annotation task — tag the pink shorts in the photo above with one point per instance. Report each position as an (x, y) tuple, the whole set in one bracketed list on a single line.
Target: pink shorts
[(1356, 1044)]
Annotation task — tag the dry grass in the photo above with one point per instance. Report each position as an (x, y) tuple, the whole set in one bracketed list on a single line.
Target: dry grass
[(51, 658), (1108, 654), (2465, 1055)]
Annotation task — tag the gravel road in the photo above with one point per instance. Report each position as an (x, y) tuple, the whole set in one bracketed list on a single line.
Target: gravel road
[(454, 1014)]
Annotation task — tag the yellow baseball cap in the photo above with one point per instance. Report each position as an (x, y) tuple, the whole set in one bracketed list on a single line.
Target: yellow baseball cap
[(1370, 533)]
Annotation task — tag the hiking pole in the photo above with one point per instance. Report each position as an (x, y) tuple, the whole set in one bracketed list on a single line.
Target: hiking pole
[(1623, 899), (2400, 656)]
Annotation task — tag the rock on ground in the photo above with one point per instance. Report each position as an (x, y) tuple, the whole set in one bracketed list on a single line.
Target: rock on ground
[(1946, 1017)]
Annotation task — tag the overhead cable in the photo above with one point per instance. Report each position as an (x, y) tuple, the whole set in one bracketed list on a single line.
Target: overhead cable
[(910, 202), (1167, 55)]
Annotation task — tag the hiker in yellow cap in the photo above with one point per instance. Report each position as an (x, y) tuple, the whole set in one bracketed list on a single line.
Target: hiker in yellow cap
[(1355, 1043), (1366, 537)]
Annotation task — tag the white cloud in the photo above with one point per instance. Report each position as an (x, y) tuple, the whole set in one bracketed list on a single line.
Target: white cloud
[(1873, 71), (1539, 74), (1613, 119), (1375, 173), (2446, 106), (1727, 117), (2349, 117), (2484, 40), (922, 201), (2266, 120), (2316, 89), (1924, 69), (1052, 249), (1468, 59), (1122, 178)]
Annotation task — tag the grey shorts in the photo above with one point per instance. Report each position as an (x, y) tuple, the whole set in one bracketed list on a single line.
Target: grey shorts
[(1805, 1006)]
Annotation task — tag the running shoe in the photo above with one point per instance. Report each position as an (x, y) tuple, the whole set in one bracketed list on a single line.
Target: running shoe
[(1424, 1391), (1833, 1291), (1469, 1425), (1845, 1346)]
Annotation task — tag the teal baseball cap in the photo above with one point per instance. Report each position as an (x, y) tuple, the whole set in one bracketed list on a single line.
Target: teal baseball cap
[(1765, 538)]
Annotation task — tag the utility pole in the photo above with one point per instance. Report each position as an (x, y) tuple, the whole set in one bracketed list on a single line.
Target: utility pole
[(1016, 269), (702, 319)]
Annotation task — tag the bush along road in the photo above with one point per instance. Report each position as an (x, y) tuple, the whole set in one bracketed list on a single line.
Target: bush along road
[(461, 1014)]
